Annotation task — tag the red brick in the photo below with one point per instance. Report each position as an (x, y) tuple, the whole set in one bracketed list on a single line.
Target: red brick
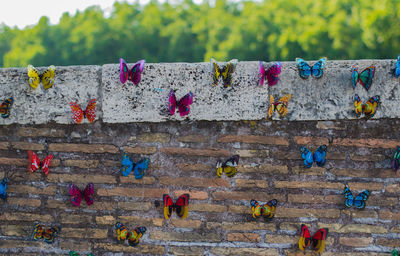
[(367, 158), (193, 138), (81, 178), (85, 148), (133, 192), (309, 184), (247, 183), (207, 208), (317, 141), (194, 182), (367, 143), (310, 213), (214, 152), (140, 150), (264, 168), (251, 153), (253, 139), (234, 195), (243, 237), (81, 163), (25, 189), (39, 132), (147, 180), (195, 167), (194, 194), (356, 241), (370, 173), (27, 146)]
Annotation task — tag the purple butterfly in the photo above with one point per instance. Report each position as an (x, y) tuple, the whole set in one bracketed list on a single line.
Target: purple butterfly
[(271, 74), (183, 104), (134, 74)]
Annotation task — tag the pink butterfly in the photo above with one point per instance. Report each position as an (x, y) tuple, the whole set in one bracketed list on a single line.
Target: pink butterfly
[(183, 104), (271, 73), (134, 74)]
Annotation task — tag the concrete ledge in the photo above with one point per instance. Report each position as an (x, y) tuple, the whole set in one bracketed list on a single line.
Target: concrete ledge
[(328, 98)]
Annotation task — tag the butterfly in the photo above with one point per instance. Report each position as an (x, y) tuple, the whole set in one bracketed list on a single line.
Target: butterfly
[(396, 159), (395, 253), (225, 72), (138, 168), (183, 104), (358, 202), (47, 77), (35, 164), (317, 241), (134, 74), (47, 234), (132, 236), (181, 206), (281, 106), (5, 107), (364, 78), (396, 71), (76, 194), (78, 114), (267, 210), (318, 157), (271, 74), (229, 166), (73, 253), (305, 70), (3, 188), (368, 108)]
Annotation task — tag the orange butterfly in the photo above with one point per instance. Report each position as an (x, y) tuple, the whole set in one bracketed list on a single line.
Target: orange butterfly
[(280, 106), (78, 114)]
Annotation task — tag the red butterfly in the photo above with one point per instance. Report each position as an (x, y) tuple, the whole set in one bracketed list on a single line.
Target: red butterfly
[(181, 206), (78, 114), (35, 164), (183, 104)]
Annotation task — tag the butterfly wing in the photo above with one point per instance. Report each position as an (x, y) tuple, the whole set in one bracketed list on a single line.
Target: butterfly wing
[(34, 162), (365, 77), (255, 208), (122, 232), (134, 236), (5, 107), (90, 111), (215, 72), (268, 211), (172, 102), (358, 106), (168, 206), (397, 69), (140, 167), (273, 74), (305, 237), (320, 155), (46, 164), (318, 68), (230, 166), (359, 201), (128, 165), (75, 195), (354, 76), (308, 158), (184, 104), (371, 105), (182, 206), (396, 159), (48, 77), (282, 105), (136, 71), (88, 193), (262, 74), (37, 231), (395, 253), (304, 68), (34, 78), (3, 188), (227, 72), (349, 197), (219, 168), (319, 239), (271, 107), (124, 71), (77, 112)]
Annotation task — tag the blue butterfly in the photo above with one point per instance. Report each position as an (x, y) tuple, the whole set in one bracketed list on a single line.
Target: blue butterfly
[(358, 202), (3, 188), (305, 70), (397, 69), (138, 168), (318, 157)]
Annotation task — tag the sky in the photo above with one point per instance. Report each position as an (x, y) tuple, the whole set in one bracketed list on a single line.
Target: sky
[(21, 13)]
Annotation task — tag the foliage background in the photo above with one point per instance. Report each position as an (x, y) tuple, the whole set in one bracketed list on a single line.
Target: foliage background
[(189, 32)]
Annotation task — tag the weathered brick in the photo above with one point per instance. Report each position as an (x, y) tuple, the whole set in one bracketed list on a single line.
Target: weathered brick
[(289, 226), (380, 200), (64, 204), (356, 241), (306, 199), (213, 225), (240, 209), (253, 139), (81, 178), (317, 141), (248, 183), (30, 217), (18, 244), (76, 245), (132, 192), (370, 173), (207, 208), (360, 214), (186, 250), (27, 146), (4, 145), (105, 220), (309, 184), (193, 138), (367, 143), (85, 148), (251, 153), (81, 163), (248, 226), (13, 161), (25, 189), (75, 218), (39, 132), (193, 182), (264, 168), (387, 215), (148, 222), (185, 236), (194, 194), (147, 180), (139, 250), (285, 155), (243, 237), (354, 228), (140, 150), (388, 242), (135, 206), (84, 233), (365, 185), (109, 163), (367, 158), (393, 188), (154, 137), (244, 251), (395, 229), (279, 239), (330, 125), (335, 156), (31, 202), (15, 230), (214, 152), (281, 212), (195, 167), (259, 196), (308, 171), (184, 223)]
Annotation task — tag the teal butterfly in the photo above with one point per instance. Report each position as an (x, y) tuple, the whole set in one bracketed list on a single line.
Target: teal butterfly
[(364, 78)]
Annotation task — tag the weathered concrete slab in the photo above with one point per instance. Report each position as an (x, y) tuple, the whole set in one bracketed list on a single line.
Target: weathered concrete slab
[(72, 83)]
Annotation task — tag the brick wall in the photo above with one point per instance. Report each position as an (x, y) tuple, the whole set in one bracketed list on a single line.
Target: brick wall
[(183, 157)]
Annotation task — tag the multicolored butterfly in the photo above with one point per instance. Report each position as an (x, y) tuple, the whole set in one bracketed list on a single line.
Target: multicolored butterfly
[(281, 106), (358, 202), (395, 253), (132, 236), (364, 78), (5, 107), (271, 74), (183, 104), (47, 77), (396, 159), (368, 108), (78, 114), (138, 168), (47, 234), (229, 166), (3, 188), (35, 164), (73, 253), (317, 241), (225, 72), (76, 194), (267, 210), (306, 70), (181, 207), (318, 157), (396, 71), (134, 74)]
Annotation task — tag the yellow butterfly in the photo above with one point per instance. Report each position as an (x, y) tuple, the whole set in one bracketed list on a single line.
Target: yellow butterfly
[(281, 106), (229, 166), (225, 72), (47, 77)]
